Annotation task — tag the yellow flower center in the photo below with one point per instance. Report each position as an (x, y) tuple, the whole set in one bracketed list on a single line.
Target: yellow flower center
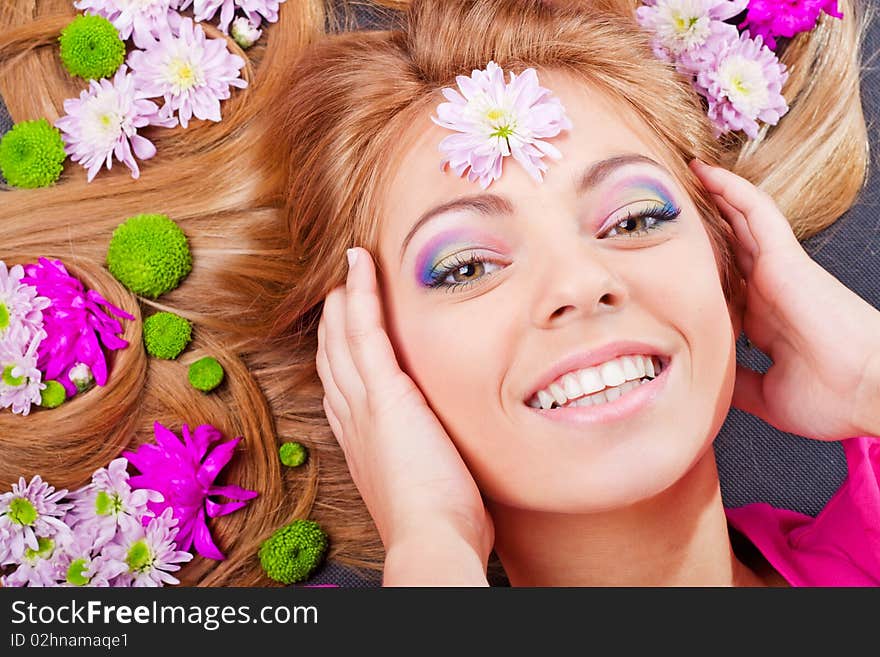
[(183, 74)]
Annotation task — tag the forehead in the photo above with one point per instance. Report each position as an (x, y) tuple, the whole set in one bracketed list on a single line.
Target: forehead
[(601, 128)]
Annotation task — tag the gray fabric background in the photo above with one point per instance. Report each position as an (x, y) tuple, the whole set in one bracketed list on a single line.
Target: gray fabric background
[(756, 462)]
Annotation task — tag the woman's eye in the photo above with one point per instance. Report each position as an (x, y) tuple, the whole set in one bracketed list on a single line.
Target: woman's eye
[(462, 270), (643, 221)]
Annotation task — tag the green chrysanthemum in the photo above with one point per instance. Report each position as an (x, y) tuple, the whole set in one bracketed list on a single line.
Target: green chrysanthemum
[(293, 551), (53, 395), (166, 335), (292, 454), (32, 154), (91, 47), (149, 255), (205, 374)]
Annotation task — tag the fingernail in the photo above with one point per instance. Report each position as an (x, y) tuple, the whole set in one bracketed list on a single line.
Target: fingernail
[(352, 255)]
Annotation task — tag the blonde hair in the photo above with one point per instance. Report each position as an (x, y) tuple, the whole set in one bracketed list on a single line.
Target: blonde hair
[(272, 196)]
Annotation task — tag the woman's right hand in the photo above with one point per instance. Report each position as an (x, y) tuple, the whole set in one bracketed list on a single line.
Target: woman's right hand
[(417, 488)]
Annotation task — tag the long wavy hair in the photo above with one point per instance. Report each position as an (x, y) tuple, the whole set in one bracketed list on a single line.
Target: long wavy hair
[(294, 174)]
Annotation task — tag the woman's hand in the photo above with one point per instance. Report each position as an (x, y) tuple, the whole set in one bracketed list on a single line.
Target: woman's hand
[(824, 340), (423, 499)]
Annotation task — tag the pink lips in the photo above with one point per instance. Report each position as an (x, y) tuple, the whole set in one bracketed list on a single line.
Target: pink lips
[(624, 406), (583, 360)]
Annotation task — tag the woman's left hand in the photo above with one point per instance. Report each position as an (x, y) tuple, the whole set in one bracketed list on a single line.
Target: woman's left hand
[(823, 339)]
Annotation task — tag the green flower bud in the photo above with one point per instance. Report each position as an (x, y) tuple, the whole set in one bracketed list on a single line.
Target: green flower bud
[(149, 255), (293, 551), (205, 374), (91, 47), (53, 396), (166, 335), (32, 154), (293, 454)]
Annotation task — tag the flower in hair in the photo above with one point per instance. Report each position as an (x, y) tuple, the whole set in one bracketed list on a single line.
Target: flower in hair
[(245, 32), (166, 335), (682, 26), (771, 18), (139, 19), (20, 305), (191, 72), (146, 556), (75, 323), (108, 503), (91, 47), (184, 473), (32, 154), (31, 511), (204, 10), (742, 80), (36, 567), (292, 552), (20, 378), (103, 122), (493, 119)]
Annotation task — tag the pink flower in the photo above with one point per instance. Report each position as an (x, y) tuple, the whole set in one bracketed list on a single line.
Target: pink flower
[(204, 10), (30, 512), (74, 323), (184, 473), (134, 18), (191, 72), (785, 18), (742, 80), (682, 26), (103, 123), (20, 378), (145, 556), (495, 119), (19, 303)]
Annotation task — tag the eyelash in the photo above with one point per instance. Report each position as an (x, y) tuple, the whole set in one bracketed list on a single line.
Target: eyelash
[(662, 214)]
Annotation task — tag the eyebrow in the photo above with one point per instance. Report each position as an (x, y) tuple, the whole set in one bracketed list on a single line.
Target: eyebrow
[(489, 204)]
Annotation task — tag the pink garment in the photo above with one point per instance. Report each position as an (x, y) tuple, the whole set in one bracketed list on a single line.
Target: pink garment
[(840, 546)]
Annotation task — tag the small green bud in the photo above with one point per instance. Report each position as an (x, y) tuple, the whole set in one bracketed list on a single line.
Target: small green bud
[(166, 335), (293, 454), (205, 374), (53, 395)]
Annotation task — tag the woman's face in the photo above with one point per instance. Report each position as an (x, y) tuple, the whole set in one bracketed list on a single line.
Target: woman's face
[(505, 304)]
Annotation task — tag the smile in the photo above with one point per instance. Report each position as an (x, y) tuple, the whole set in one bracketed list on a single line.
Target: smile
[(598, 385)]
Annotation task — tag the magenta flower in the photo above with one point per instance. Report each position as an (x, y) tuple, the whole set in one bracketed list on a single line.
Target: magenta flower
[(75, 323), (494, 119), (191, 72), (785, 18), (103, 123), (184, 473), (742, 80)]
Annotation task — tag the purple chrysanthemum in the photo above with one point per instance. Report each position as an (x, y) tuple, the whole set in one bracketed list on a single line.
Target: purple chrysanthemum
[(184, 473), (494, 119), (191, 72), (139, 19), (108, 503), (30, 512), (146, 556), (19, 303), (36, 567), (683, 26), (78, 562), (103, 123), (785, 18), (20, 378), (204, 10), (742, 80), (75, 323)]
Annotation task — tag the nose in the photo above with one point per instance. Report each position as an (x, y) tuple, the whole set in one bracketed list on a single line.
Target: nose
[(576, 282)]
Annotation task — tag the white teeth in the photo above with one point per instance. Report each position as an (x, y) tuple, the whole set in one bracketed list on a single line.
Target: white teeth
[(558, 393), (571, 387), (600, 384), (590, 380), (545, 400), (612, 373)]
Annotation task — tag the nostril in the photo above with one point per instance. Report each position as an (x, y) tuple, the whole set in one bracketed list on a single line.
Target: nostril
[(607, 299), (559, 312)]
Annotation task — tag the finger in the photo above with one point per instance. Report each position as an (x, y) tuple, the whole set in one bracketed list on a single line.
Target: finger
[(333, 421), (370, 347), (766, 223), (345, 374), (748, 393), (332, 394)]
